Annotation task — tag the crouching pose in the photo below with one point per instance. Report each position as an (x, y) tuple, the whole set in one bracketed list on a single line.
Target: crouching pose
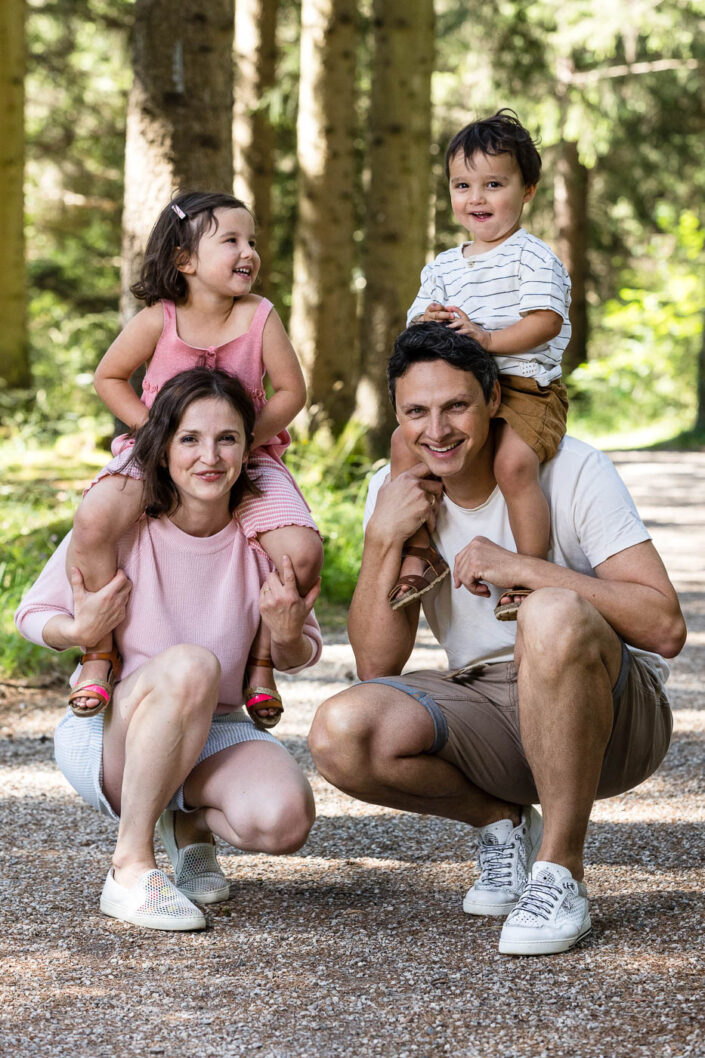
[(175, 747), (562, 708)]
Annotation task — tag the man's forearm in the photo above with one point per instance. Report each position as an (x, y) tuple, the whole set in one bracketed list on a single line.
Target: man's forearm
[(382, 639)]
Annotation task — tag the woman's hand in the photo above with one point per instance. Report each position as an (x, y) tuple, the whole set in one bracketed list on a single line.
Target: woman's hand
[(97, 613), (284, 612)]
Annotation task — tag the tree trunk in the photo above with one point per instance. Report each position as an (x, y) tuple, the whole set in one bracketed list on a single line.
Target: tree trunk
[(323, 318), (253, 132), (14, 353), (179, 120), (399, 194), (571, 205)]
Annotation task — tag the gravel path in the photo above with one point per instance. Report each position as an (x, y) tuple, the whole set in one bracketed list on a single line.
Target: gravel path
[(358, 944)]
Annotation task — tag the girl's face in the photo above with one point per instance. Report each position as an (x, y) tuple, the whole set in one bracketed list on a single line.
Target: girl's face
[(206, 454), (226, 261), (487, 195)]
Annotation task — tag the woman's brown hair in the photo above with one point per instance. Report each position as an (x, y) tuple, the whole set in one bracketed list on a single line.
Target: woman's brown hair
[(152, 439)]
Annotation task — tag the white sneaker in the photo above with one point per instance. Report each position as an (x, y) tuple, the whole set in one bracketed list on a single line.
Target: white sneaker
[(551, 915), (153, 903), (505, 854), (197, 872)]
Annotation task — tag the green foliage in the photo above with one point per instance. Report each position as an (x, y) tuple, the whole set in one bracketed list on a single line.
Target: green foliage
[(647, 340), (333, 476), (40, 490)]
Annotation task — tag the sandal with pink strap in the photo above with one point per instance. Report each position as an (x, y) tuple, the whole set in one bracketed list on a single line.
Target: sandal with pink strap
[(411, 586), (257, 698), (102, 689), (507, 611)]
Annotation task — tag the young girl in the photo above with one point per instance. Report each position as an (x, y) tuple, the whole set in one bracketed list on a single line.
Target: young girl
[(199, 268)]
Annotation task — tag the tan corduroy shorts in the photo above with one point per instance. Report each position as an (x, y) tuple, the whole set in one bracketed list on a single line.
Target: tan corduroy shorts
[(476, 723), (536, 413)]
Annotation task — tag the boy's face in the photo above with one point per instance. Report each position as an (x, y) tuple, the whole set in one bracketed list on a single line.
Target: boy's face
[(487, 194)]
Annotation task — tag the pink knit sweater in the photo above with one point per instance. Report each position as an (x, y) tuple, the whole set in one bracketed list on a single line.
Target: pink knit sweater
[(185, 589)]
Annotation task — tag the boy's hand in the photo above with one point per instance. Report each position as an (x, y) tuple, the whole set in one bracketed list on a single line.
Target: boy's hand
[(461, 322), (437, 313)]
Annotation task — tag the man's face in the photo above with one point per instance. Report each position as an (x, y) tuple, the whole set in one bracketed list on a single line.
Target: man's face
[(444, 417)]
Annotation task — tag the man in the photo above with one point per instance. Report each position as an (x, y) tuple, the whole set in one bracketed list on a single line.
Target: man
[(556, 710)]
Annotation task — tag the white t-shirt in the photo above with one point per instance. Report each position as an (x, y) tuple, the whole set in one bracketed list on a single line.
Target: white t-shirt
[(498, 288), (592, 518)]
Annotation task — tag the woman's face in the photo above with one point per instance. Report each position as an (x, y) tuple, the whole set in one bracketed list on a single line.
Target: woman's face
[(206, 454)]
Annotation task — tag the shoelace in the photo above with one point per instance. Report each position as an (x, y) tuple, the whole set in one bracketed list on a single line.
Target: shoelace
[(539, 898), (495, 863)]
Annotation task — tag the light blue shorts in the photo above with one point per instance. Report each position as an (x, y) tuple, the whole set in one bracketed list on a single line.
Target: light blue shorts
[(78, 751)]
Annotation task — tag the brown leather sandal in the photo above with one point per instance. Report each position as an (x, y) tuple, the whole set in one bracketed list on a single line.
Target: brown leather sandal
[(410, 586), (507, 611), (257, 698), (96, 688)]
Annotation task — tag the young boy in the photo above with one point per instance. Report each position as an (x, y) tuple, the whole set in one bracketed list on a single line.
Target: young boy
[(509, 291)]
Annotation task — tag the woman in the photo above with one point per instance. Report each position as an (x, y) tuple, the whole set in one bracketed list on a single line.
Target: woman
[(175, 746)]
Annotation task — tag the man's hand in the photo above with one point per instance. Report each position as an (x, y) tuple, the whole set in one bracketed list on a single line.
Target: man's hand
[(461, 322), (281, 607), (482, 563), (97, 613), (405, 503)]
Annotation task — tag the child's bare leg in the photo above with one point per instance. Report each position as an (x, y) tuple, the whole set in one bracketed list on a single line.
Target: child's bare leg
[(516, 468), (304, 548), (106, 512), (412, 567)]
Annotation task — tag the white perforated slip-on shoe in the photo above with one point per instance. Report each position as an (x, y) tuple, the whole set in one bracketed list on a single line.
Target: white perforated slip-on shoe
[(551, 914), (197, 872), (505, 854), (153, 903)]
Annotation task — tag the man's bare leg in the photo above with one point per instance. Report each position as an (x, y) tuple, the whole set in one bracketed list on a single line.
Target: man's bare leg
[(568, 660), (371, 741)]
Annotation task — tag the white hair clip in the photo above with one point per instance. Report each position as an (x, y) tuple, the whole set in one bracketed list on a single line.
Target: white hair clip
[(178, 211)]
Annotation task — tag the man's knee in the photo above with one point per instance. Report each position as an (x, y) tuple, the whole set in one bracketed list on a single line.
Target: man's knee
[(339, 738), (557, 627)]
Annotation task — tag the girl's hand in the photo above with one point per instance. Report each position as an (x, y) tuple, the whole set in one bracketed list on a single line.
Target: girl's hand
[(437, 313), (282, 609), (97, 613)]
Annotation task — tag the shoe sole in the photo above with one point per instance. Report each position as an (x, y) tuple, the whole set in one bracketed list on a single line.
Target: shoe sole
[(211, 896), (410, 597), (499, 910), (115, 910), (544, 947)]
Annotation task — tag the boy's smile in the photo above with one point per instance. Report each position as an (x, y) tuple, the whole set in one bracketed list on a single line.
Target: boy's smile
[(487, 195)]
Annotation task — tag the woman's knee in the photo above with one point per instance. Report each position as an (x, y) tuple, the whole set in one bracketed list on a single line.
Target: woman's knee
[(280, 824), (189, 673)]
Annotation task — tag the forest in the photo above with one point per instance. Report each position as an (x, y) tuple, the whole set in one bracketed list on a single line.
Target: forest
[(330, 118)]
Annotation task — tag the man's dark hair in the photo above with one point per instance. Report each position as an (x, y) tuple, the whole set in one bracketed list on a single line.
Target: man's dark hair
[(435, 341), (502, 133), (160, 495)]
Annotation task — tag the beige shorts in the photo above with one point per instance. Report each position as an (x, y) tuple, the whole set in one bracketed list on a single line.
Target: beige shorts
[(476, 723), (537, 413)]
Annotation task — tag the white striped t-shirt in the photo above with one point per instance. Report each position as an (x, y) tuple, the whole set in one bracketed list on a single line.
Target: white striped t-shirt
[(498, 288)]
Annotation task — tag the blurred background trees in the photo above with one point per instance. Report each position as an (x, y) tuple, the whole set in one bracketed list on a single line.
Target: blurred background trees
[(341, 114)]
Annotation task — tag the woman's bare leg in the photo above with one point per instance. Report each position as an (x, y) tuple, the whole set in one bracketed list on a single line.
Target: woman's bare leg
[(156, 728)]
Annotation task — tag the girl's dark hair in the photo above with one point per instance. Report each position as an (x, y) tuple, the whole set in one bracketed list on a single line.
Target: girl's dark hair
[(176, 235), (152, 439), (502, 133), (434, 341)]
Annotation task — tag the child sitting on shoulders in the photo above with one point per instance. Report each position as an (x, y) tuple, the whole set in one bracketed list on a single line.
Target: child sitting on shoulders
[(507, 290)]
